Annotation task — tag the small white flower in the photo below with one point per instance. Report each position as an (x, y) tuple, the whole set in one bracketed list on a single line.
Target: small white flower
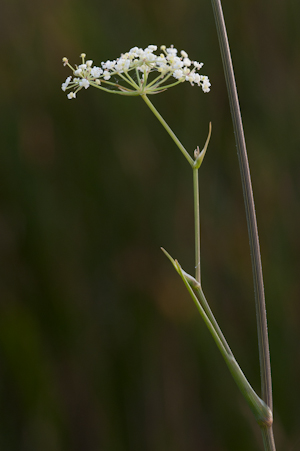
[(204, 78), (143, 68), (206, 87), (65, 84), (106, 75), (184, 54), (161, 60), (176, 63), (197, 65), (191, 78), (96, 72), (151, 57), (187, 62), (133, 51), (109, 65), (205, 83), (163, 68), (172, 51), (147, 51), (82, 66), (197, 79), (178, 74), (84, 83), (127, 64), (78, 72), (120, 66), (71, 95), (139, 51), (89, 63)]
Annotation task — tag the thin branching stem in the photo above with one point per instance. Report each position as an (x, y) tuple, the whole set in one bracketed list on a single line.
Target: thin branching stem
[(168, 129)]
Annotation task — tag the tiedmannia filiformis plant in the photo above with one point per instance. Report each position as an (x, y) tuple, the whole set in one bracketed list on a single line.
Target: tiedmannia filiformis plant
[(142, 72)]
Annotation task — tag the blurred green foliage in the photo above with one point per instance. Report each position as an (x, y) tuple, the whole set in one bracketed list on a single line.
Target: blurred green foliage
[(100, 345)]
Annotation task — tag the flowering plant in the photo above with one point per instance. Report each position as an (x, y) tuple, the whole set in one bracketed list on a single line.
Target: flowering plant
[(132, 74), (142, 62)]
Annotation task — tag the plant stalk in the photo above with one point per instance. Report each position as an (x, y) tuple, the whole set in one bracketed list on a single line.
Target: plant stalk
[(197, 224), (263, 341), (268, 438), (168, 129)]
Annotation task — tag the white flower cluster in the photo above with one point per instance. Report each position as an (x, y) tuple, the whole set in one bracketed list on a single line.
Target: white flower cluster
[(142, 62)]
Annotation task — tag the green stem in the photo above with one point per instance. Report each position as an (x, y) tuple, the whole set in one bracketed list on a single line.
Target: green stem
[(111, 91), (210, 315), (138, 77), (168, 129), (133, 83), (153, 82), (197, 224), (260, 409), (128, 80), (171, 85)]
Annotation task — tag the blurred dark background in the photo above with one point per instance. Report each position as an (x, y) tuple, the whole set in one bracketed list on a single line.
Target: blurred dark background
[(101, 347)]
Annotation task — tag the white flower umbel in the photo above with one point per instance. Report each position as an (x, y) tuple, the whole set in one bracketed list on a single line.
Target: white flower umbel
[(132, 73)]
